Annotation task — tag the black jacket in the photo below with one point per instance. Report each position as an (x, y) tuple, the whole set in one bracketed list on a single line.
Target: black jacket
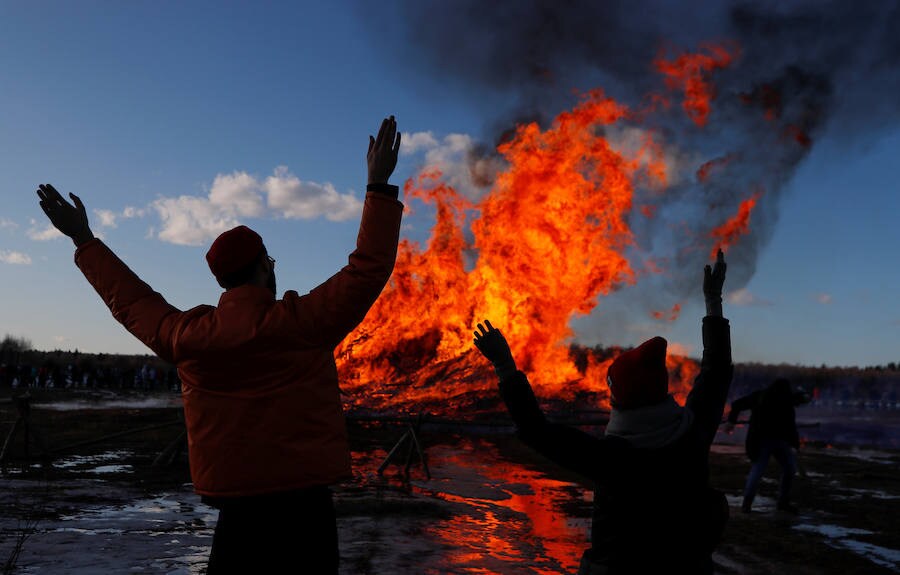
[(653, 508), (772, 416)]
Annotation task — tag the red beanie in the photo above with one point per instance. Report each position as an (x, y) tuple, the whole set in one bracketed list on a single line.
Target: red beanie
[(233, 251), (639, 377)]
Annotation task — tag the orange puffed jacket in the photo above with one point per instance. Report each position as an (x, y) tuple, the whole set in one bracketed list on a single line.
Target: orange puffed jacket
[(261, 398)]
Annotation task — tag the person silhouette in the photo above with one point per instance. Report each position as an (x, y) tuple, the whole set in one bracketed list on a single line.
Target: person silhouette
[(772, 433), (266, 432), (654, 509)]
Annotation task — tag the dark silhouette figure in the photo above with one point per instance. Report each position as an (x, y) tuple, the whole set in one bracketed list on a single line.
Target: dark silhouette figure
[(654, 510), (772, 433), (266, 432)]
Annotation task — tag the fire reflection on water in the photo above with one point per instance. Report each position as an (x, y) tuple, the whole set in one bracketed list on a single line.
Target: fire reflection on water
[(505, 517)]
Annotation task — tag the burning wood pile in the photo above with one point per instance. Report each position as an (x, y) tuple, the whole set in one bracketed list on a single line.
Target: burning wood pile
[(554, 233)]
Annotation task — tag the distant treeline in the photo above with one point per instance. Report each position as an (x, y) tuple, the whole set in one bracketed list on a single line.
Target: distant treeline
[(873, 385)]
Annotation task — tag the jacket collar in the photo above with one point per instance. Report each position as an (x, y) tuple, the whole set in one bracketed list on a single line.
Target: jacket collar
[(246, 293), (651, 426)]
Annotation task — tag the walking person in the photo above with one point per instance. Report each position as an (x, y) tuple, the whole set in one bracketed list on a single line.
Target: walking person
[(772, 432), (654, 510), (266, 432)]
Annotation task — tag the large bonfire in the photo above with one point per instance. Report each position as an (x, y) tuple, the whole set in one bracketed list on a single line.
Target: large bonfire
[(549, 239)]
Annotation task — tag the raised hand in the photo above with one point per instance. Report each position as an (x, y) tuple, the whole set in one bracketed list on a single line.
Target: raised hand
[(713, 280), (71, 220), (492, 345), (383, 151)]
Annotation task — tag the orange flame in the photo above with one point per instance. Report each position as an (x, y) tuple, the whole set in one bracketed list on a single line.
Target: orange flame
[(549, 238), (728, 233), (690, 73), (544, 244), (671, 315)]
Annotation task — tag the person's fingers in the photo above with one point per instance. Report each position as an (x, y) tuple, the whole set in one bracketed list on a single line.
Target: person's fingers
[(379, 139), (45, 194), (720, 257), (391, 132), (396, 149), (371, 143), (52, 193), (487, 322), (78, 203)]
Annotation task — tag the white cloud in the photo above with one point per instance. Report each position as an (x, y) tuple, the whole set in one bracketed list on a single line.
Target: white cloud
[(295, 199), (43, 234), (744, 298), (110, 218), (191, 220), (413, 142), (195, 220), (107, 218), (456, 156), (823, 298), (133, 212), (15, 258), (6, 224), (237, 192)]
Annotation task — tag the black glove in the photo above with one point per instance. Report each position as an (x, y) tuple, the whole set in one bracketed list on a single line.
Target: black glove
[(713, 280), (492, 345)]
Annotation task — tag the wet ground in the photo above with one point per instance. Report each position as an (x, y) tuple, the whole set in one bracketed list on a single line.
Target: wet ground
[(491, 506)]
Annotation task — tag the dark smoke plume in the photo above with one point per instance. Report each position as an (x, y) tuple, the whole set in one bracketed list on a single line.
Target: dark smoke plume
[(804, 69)]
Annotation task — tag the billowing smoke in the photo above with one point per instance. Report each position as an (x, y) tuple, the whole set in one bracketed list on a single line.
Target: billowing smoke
[(801, 69)]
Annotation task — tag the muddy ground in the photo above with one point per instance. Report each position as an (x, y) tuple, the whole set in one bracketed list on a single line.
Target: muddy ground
[(491, 505)]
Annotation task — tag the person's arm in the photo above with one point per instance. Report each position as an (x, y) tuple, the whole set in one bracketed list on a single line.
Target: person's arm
[(710, 391), (133, 303), (330, 311), (745, 403), (566, 446)]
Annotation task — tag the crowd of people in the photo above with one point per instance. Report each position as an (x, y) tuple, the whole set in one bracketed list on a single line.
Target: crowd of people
[(52, 375)]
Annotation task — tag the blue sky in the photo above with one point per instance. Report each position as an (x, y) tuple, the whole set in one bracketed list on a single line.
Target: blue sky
[(162, 115)]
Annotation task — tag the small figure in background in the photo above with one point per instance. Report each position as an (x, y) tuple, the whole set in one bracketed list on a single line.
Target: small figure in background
[(772, 433)]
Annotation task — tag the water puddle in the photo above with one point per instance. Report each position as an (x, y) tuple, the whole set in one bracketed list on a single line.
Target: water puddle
[(101, 463), (838, 537), (140, 403)]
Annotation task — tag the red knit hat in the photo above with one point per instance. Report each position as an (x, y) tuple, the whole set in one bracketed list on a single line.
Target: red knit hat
[(639, 377), (233, 251)]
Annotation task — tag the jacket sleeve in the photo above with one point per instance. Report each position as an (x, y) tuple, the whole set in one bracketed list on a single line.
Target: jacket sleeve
[(566, 446), (134, 304), (710, 391), (745, 403), (330, 311)]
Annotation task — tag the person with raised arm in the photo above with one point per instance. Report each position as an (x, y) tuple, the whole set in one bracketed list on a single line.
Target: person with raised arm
[(266, 431), (654, 509)]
